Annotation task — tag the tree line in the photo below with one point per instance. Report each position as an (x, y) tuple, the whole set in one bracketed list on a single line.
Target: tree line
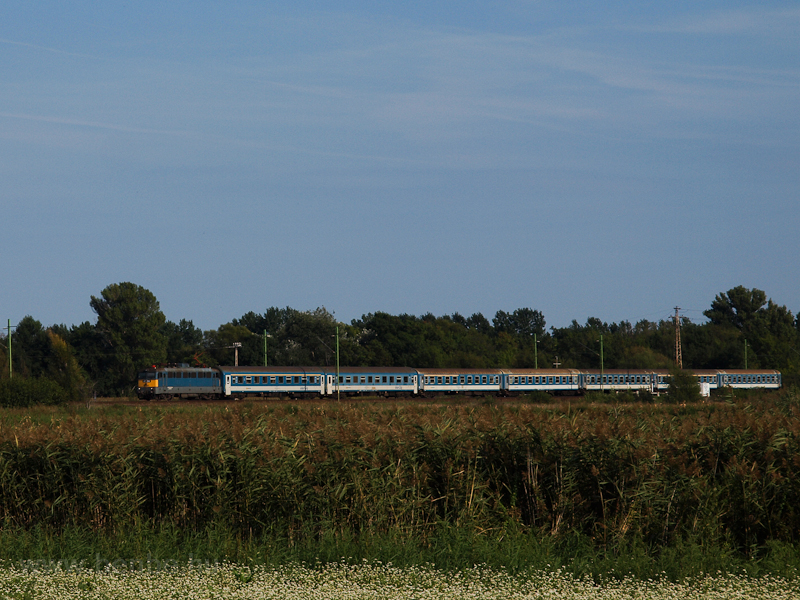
[(132, 332)]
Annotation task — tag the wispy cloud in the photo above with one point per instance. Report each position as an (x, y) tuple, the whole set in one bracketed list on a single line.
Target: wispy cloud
[(92, 124), (734, 22), (47, 49)]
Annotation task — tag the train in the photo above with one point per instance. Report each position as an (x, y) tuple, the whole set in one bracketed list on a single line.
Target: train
[(167, 382)]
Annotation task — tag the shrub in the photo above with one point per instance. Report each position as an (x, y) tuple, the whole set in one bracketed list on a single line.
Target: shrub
[(19, 391), (683, 388)]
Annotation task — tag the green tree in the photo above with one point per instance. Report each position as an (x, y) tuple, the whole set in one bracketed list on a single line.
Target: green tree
[(30, 348), (65, 370), (736, 307), (220, 345), (130, 324), (742, 314), (184, 342), (683, 387)]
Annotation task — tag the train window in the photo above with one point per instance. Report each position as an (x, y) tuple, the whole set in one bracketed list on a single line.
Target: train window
[(405, 378), (391, 378), (384, 379)]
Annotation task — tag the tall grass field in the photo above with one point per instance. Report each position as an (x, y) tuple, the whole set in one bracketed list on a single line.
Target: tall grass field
[(593, 492)]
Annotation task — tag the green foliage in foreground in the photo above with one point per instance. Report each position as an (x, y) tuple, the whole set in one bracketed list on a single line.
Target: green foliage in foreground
[(636, 486), (448, 549)]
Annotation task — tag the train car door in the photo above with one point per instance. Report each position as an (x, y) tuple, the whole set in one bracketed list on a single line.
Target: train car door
[(227, 385), (328, 388)]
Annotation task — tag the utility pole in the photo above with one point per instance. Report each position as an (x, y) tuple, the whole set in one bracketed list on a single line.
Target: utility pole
[(235, 346), (601, 362), (745, 353), (9, 349), (535, 352), (678, 352), (337, 363)]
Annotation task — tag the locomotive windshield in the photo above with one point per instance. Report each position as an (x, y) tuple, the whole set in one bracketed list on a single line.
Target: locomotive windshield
[(147, 375)]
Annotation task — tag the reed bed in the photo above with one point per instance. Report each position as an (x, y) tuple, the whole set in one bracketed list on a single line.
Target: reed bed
[(720, 474)]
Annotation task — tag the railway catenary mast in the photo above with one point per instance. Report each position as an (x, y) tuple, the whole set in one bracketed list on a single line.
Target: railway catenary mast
[(678, 352)]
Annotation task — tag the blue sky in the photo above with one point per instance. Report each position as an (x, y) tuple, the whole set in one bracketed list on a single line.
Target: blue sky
[(583, 159)]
